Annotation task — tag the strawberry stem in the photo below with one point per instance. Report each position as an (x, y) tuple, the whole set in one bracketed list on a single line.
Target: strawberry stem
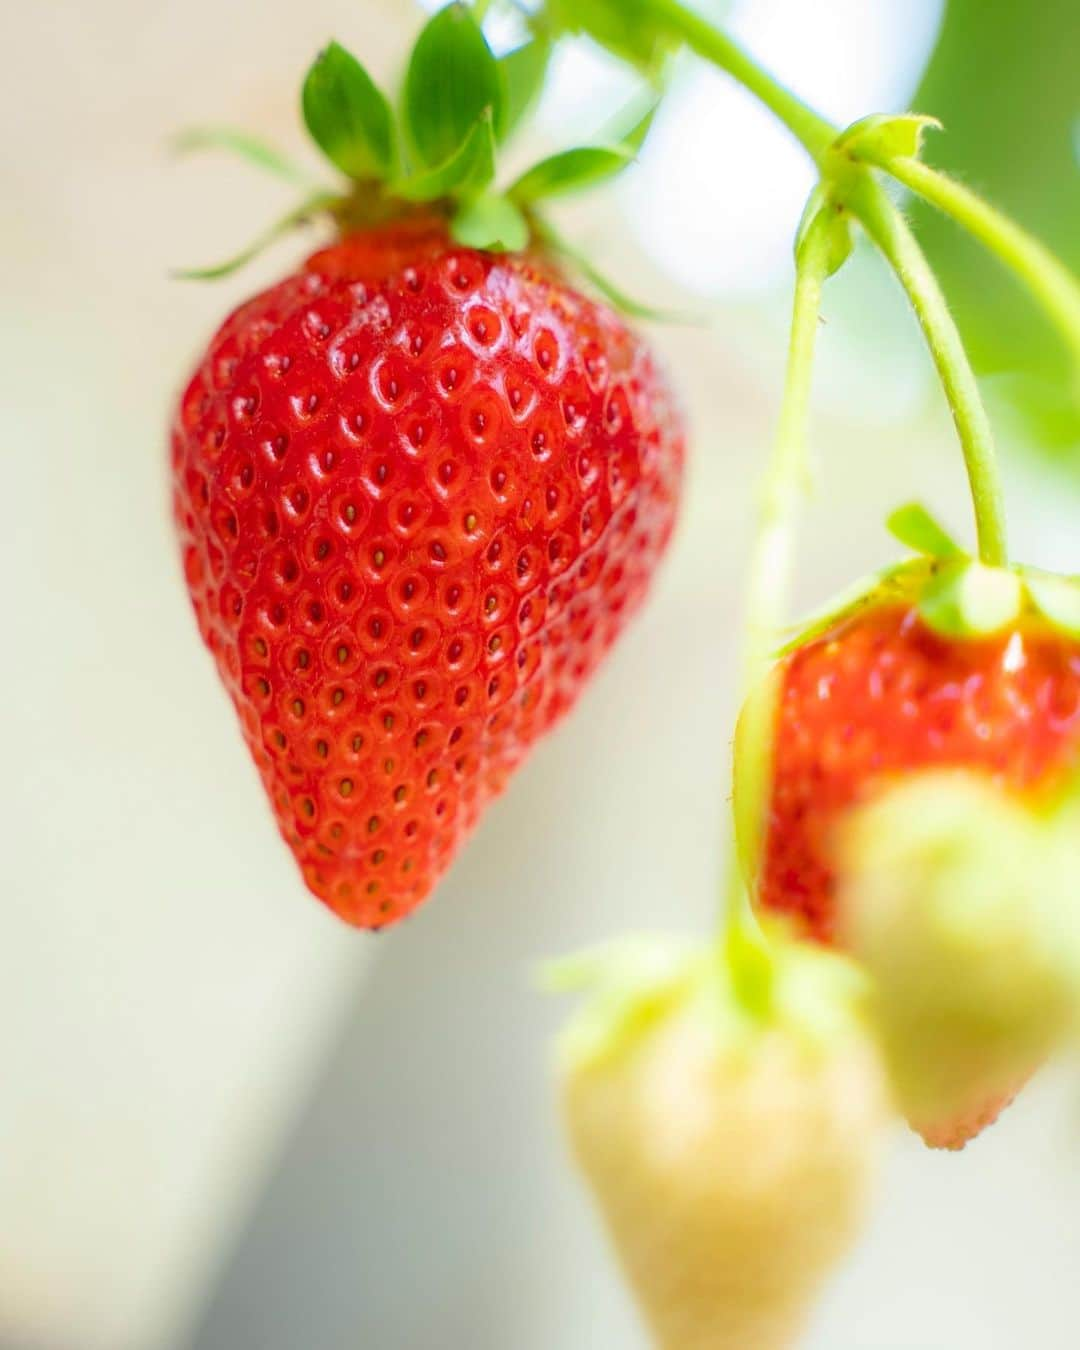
[(889, 230), (813, 131), (771, 565), (1049, 281)]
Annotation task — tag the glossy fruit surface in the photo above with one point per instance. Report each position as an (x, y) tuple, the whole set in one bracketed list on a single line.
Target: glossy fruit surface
[(882, 696), (419, 491)]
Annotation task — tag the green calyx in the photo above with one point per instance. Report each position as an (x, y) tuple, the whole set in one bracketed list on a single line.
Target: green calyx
[(956, 595), (459, 103), (632, 985)]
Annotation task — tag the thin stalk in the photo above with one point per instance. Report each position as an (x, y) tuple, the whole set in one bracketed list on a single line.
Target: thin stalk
[(889, 230), (1051, 283), (769, 581), (815, 132)]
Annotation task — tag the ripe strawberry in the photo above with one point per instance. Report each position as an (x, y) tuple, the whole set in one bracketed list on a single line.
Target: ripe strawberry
[(730, 1150), (420, 490)]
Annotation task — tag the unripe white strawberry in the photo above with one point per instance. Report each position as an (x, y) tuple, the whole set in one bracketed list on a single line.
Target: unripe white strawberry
[(963, 904), (730, 1147)]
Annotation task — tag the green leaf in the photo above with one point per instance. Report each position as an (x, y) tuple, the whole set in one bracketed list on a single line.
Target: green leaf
[(312, 206), (569, 171), (885, 136), (638, 31), (1057, 599), (583, 166), (821, 209), (968, 599), (634, 137), (491, 222), (900, 582), (916, 529), (236, 142), (451, 81), (349, 119), (522, 72), (469, 169)]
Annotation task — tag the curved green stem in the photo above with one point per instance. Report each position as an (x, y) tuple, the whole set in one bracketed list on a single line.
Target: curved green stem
[(815, 132), (1050, 282), (771, 565), (889, 230)]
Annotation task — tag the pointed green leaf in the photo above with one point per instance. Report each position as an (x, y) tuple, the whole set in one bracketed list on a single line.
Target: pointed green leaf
[(1057, 599), (236, 142), (470, 169), (452, 79), (569, 171), (899, 582), (312, 206), (491, 222), (522, 72), (639, 31), (635, 138), (967, 599), (885, 136), (915, 528), (349, 119)]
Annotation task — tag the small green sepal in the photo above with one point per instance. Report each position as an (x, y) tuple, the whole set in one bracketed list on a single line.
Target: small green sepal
[(243, 145), (914, 527), (452, 82), (468, 170), (967, 599), (899, 583), (491, 222), (348, 117), (581, 167), (569, 171), (882, 137), (637, 31), (822, 212), (522, 72), (317, 204), (629, 984), (1056, 598)]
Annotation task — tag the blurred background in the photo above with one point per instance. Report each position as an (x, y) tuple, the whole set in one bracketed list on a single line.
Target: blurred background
[(229, 1123)]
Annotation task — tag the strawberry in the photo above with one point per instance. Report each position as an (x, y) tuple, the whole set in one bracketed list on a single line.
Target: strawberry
[(420, 490), (730, 1147), (959, 902), (422, 483), (940, 664)]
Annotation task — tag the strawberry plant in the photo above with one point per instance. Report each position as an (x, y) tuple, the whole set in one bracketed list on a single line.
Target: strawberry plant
[(422, 483)]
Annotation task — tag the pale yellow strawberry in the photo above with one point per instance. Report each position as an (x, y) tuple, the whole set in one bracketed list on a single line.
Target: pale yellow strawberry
[(730, 1150), (963, 905)]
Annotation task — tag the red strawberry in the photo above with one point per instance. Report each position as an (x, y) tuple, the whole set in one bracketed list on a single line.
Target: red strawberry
[(881, 696), (420, 490)]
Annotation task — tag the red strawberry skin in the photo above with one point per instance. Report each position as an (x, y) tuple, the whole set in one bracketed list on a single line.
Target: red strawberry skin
[(882, 696), (419, 490)]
